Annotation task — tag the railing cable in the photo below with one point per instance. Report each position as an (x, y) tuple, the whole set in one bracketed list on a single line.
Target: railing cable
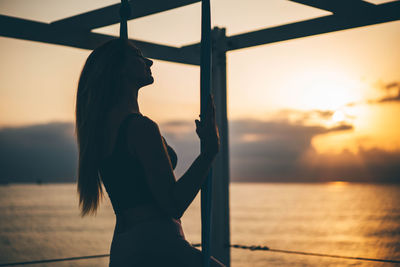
[(265, 248), (252, 248), (55, 260)]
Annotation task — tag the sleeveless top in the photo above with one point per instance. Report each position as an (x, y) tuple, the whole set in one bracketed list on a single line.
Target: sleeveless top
[(123, 175)]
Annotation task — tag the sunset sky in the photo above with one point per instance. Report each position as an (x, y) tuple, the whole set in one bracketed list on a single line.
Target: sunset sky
[(319, 108)]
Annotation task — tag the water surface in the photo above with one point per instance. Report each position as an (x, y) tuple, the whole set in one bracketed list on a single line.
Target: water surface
[(42, 222)]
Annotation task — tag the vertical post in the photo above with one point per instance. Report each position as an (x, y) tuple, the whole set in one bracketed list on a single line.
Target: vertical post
[(205, 89), (220, 238), (124, 12)]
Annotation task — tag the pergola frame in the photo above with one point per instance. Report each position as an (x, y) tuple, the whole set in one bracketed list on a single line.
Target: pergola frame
[(76, 32)]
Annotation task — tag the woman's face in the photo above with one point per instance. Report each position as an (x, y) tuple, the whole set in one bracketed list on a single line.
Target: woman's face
[(139, 68)]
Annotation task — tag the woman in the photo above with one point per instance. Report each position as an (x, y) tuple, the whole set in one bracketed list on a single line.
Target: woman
[(124, 150)]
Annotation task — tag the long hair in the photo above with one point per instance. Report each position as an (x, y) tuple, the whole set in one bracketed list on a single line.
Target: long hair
[(99, 89)]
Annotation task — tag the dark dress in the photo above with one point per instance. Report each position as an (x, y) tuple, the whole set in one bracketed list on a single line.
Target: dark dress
[(123, 175), (154, 239)]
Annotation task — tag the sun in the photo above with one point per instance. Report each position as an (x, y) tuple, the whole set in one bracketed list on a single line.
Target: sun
[(338, 116), (327, 89)]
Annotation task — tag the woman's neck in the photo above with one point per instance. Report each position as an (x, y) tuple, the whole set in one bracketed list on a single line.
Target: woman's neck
[(130, 103)]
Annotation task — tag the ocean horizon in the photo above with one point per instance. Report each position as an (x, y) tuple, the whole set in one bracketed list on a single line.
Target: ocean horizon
[(41, 221)]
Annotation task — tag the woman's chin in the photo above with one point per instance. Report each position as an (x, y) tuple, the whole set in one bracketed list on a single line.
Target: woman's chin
[(147, 81)]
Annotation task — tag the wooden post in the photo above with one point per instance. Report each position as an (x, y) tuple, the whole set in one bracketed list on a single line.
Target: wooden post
[(205, 90), (220, 238)]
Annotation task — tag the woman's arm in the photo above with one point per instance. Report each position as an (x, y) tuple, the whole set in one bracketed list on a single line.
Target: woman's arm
[(189, 184), (187, 187), (145, 141)]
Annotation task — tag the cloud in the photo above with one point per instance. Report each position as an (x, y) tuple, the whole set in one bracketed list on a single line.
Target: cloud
[(313, 117), (392, 91), (275, 154), (260, 151), (392, 85), (44, 152), (392, 94), (301, 116), (281, 151), (395, 86), (367, 165)]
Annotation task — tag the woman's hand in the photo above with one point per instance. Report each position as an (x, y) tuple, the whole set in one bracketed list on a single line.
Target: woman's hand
[(207, 130)]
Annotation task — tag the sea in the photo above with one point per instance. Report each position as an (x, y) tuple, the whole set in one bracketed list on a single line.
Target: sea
[(40, 222)]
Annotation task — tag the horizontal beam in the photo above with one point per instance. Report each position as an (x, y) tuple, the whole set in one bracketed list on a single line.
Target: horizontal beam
[(47, 33), (110, 15), (349, 7), (382, 13)]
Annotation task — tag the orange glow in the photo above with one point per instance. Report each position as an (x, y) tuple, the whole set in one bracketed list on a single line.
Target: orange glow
[(374, 126), (327, 88), (325, 72), (338, 183)]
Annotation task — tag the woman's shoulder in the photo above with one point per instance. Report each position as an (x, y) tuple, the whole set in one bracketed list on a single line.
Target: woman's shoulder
[(142, 125), (143, 136), (137, 118)]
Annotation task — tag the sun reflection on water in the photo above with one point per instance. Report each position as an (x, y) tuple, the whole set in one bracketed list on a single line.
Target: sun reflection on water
[(338, 183)]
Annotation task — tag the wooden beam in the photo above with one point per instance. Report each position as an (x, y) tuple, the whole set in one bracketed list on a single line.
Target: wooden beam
[(338, 6), (48, 33), (382, 13), (220, 223), (110, 15)]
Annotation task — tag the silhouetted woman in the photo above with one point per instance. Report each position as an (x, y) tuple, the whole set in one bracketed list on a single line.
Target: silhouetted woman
[(124, 150)]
